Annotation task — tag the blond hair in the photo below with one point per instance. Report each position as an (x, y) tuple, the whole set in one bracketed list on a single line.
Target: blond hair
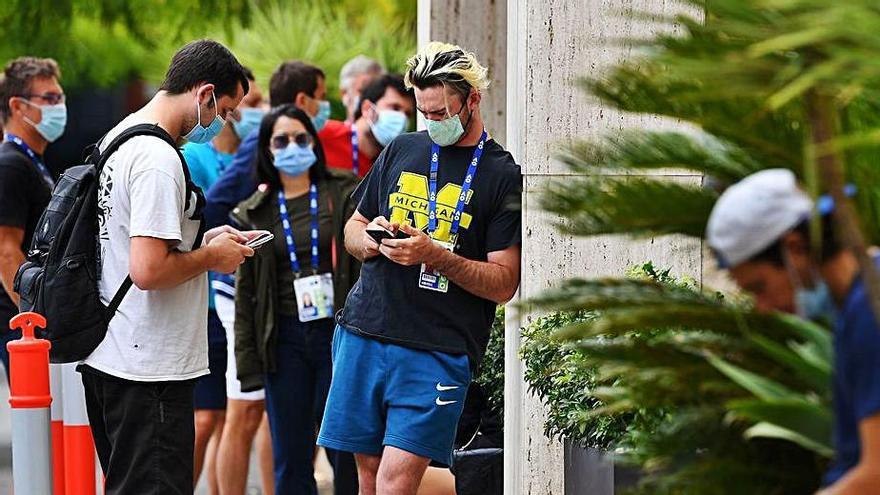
[(446, 64)]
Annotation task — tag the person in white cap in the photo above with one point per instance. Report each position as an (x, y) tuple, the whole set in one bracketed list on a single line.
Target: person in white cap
[(760, 230)]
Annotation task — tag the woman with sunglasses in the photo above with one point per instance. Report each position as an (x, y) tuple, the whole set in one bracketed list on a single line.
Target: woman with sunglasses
[(286, 292)]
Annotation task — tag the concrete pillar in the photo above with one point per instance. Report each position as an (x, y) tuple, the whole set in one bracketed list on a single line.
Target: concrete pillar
[(552, 43), (479, 26)]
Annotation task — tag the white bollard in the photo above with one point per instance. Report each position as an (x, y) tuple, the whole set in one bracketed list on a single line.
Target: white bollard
[(79, 446), (30, 400)]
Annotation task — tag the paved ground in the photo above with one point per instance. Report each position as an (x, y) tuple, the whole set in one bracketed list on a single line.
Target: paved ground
[(324, 475), (5, 439)]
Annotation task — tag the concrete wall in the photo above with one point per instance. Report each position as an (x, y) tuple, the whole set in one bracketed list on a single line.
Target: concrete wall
[(551, 43), (536, 50), (479, 26)]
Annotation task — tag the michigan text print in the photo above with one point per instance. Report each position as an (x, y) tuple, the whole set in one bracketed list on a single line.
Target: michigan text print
[(410, 205)]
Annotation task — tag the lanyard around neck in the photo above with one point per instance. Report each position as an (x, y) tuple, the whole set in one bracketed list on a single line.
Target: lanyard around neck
[(354, 150), (288, 230), (17, 141), (465, 187)]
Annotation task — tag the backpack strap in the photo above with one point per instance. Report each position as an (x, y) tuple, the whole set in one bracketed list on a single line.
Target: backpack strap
[(120, 294), (99, 158)]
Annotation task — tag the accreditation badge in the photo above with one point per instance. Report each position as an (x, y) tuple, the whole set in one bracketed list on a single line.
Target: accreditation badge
[(314, 297), (431, 279)]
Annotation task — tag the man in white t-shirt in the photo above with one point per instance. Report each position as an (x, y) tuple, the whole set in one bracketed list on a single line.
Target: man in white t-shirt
[(139, 380)]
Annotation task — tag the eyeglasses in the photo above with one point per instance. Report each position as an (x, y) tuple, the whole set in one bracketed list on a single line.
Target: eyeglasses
[(302, 139), (50, 98)]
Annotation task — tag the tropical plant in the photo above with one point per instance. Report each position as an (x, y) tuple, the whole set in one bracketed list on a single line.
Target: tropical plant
[(105, 42), (564, 379), (324, 35), (680, 383), (757, 84), (766, 84), (491, 373)]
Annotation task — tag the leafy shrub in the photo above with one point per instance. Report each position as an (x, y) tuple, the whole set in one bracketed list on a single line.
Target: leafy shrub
[(491, 374), (678, 383), (564, 378)]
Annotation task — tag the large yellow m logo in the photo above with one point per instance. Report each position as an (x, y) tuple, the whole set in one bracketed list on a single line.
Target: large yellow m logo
[(410, 205)]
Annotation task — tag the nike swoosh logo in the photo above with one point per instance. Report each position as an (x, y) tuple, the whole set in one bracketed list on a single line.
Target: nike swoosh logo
[(444, 402), (444, 388)]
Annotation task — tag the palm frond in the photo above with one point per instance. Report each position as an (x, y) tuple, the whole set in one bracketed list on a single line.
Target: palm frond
[(646, 150), (635, 206)]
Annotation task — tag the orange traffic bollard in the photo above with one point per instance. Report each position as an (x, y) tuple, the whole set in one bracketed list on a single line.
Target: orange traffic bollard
[(56, 388), (79, 446), (30, 400)]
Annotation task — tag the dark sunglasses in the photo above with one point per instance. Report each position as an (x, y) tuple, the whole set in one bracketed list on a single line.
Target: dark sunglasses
[(302, 139), (50, 98)]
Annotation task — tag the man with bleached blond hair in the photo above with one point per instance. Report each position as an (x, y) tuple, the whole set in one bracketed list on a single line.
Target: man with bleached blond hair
[(438, 231)]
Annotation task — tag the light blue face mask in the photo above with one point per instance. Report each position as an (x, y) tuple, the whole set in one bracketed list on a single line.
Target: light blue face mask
[(250, 121), (815, 303), (388, 126), (53, 121), (200, 134), (295, 160), (445, 132), (320, 120)]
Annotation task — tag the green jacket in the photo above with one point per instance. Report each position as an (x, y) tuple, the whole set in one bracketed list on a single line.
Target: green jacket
[(256, 296)]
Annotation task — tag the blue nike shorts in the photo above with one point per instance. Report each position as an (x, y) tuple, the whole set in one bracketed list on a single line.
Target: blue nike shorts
[(384, 394)]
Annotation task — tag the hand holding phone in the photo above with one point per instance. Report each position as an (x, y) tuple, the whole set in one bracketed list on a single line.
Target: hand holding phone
[(379, 233), (262, 238)]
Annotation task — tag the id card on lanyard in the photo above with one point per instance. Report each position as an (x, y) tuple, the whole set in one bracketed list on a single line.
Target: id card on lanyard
[(41, 167), (314, 293), (429, 278)]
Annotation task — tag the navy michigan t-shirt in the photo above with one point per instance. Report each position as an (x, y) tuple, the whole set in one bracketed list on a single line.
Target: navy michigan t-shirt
[(387, 303)]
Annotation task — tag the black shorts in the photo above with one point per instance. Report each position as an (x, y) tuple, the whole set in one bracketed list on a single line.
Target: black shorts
[(144, 433)]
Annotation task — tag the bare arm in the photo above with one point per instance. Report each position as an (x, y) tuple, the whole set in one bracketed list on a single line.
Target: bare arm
[(357, 242), (154, 265), (865, 476), (495, 279), (11, 258)]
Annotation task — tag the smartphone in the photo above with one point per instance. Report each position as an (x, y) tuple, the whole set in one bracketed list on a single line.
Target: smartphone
[(379, 233), (260, 240)]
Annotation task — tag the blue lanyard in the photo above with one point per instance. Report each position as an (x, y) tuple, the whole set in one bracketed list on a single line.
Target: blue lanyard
[(465, 187), (288, 230), (354, 150), (12, 138)]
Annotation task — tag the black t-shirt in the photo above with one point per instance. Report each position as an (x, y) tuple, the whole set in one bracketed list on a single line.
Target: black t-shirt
[(301, 227), (24, 195), (387, 302)]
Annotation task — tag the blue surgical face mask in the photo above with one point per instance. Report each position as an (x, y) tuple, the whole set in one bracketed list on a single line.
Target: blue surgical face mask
[(52, 122), (388, 126), (200, 134), (814, 303), (250, 121), (295, 160), (320, 120), (448, 131)]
